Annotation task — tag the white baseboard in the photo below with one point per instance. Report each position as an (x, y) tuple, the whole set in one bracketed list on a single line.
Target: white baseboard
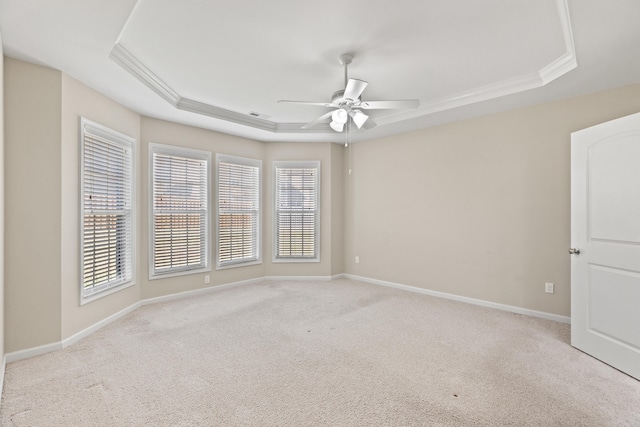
[(2, 368), (299, 278), (32, 352), (36, 351), (196, 292), (98, 325), (483, 303)]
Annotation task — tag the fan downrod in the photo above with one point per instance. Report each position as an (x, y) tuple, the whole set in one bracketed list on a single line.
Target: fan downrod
[(344, 59)]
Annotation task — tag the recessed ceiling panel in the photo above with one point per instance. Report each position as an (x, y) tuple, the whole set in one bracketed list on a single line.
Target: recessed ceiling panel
[(245, 56)]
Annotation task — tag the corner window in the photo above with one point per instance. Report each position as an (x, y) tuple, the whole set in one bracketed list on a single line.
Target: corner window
[(238, 217), (179, 214), (107, 230), (297, 211)]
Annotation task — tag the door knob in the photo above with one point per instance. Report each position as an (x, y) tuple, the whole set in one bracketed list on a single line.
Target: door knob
[(574, 251)]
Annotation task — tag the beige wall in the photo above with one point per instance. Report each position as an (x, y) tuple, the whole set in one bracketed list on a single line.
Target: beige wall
[(162, 132), (78, 101), (44, 107), (33, 205), (338, 172), (479, 208)]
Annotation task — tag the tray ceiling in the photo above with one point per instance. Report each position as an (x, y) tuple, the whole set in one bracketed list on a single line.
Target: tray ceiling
[(223, 65)]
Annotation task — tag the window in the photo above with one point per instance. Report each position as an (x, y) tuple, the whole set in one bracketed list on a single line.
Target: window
[(179, 211), (107, 244), (238, 211), (297, 211)]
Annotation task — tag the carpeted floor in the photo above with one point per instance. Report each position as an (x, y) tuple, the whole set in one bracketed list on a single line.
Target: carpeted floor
[(339, 353)]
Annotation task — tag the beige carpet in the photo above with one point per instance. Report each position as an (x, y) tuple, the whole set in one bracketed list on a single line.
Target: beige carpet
[(340, 353)]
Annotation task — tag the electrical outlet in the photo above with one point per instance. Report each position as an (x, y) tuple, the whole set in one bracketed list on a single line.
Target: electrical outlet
[(207, 279), (548, 288), (357, 259)]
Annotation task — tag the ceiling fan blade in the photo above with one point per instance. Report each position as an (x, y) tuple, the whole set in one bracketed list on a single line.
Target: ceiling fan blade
[(318, 120), (354, 89), (320, 104), (390, 105), (369, 124)]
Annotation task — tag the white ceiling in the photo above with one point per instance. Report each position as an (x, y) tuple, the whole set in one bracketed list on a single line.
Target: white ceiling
[(212, 63)]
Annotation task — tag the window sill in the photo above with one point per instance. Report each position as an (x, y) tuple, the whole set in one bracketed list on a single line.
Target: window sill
[(295, 260), (238, 264), (86, 299), (177, 273)]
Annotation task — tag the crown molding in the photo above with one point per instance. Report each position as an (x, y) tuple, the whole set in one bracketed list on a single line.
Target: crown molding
[(121, 56), (224, 114), (297, 128), (568, 60), (133, 66), (557, 68)]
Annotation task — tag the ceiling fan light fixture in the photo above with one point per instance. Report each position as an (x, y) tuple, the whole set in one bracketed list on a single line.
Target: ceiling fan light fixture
[(339, 116), (338, 127), (359, 118)]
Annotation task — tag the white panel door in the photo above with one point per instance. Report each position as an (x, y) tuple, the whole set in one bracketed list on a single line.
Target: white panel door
[(605, 229)]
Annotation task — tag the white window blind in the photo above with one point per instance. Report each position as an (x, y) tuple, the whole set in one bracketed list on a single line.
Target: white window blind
[(238, 210), (106, 208), (297, 211), (179, 220)]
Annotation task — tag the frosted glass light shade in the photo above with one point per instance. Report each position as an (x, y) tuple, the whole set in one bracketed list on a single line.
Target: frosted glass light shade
[(336, 126)]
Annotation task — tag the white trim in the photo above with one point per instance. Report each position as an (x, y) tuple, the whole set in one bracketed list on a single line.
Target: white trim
[(303, 164), (238, 264), (47, 348), (224, 114), (108, 291), (243, 161), (184, 152), (133, 66), (484, 93), (558, 68), (483, 303), (568, 60), (202, 291), (130, 142), (300, 278), (2, 370), (32, 352), (294, 260), (98, 325)]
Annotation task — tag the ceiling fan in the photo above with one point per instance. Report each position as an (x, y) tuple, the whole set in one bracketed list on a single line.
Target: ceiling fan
[(347, 103)]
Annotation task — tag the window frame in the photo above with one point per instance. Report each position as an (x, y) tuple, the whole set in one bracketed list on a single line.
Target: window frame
[(186, 153), (244, 161), (129, 143), (305, 164)]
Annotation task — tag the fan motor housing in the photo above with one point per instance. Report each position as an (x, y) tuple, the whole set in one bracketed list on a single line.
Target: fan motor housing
[(339, 99)]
